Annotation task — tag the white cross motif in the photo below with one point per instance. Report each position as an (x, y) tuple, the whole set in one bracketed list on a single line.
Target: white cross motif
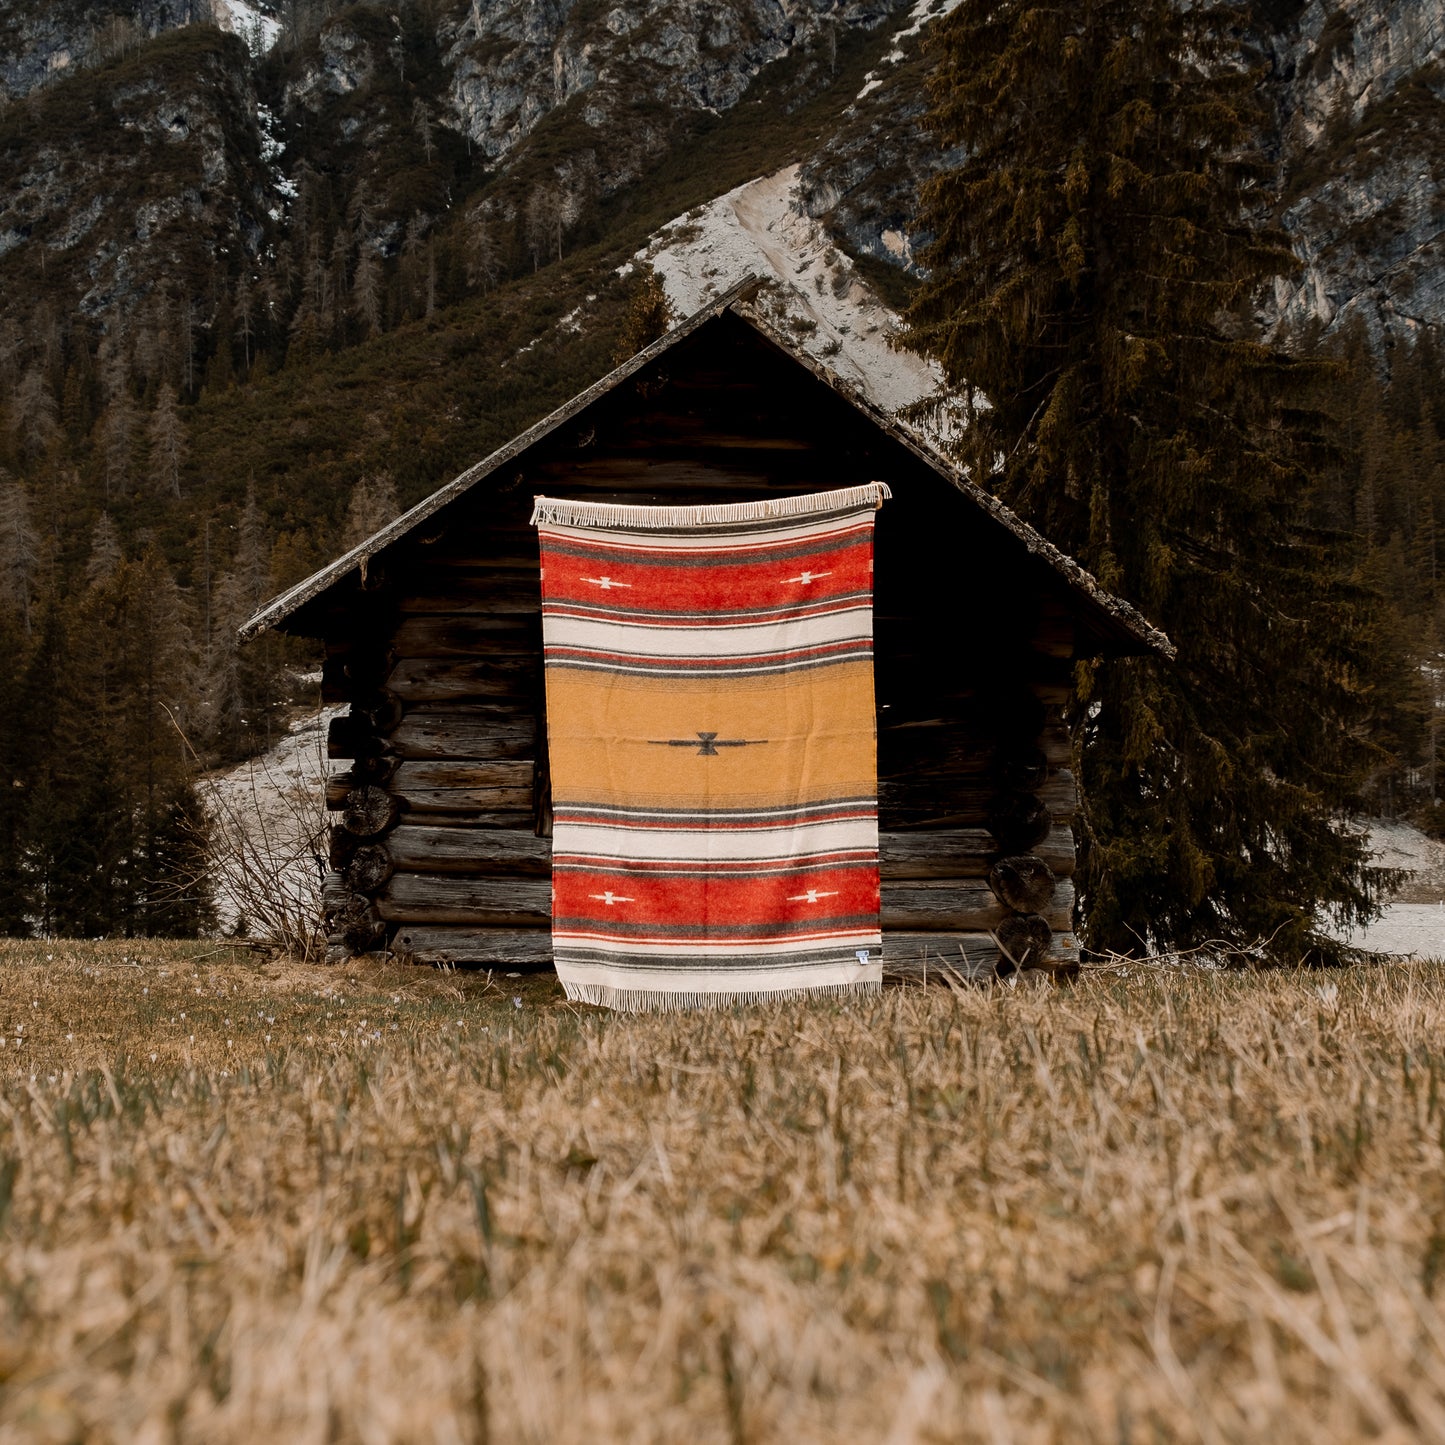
[(811, 896), (605, 582), (609, 898), (806, 577)]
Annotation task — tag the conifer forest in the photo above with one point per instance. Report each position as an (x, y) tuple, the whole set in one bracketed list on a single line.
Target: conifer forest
[(270, 274)]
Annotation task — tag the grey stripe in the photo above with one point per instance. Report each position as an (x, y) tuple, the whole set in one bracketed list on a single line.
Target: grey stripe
[(635, 665), (570, 811), (611, 557)]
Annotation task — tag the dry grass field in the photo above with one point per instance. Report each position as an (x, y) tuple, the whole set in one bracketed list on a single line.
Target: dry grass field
[(266, 1203)]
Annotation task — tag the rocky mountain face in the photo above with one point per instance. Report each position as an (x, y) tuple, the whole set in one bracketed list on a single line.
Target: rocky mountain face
[(42, 43), (1360, 93), (389, 116), (528, 119)]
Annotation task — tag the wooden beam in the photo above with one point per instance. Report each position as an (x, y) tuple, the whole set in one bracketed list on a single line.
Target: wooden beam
[(461, 773), (520, 948), (446, 634), (424, 849), (961, 905), (942, 905), (429, 679), (498, 902)]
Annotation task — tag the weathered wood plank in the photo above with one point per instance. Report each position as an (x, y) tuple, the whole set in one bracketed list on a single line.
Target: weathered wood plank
[(918, 956), (428, 898), (468, 635), (424, 849), (496, 801), (460, 846), (478, 734), (915, 957), (429, 679), (466, 560), (495, 820), (963, 853), (949, 905), (964, 803), (521, 948), (462, 773), (955, 749), (501, 593), (943, 906)]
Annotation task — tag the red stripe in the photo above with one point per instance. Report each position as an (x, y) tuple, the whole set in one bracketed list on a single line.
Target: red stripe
[(728, 586), (735, 902)]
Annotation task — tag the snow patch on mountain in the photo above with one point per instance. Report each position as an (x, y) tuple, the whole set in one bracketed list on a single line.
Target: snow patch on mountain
[(922, 14), (760, 229), (257, 29)]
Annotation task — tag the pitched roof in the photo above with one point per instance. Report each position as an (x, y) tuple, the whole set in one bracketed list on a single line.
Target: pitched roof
[(1117, 616)]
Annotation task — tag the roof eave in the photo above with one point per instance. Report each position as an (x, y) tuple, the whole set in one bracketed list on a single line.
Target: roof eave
[(283, 606), (1115, 616)]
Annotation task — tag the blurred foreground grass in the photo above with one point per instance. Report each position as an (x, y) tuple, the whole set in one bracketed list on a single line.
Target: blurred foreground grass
[(380, 1204)]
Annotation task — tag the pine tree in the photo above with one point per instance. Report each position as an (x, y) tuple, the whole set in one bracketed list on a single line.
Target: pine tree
[(649, 314), (106, 553), (16, 903), (1094, 256), (242, 699), (372, 505), (366, 291), (483, 261), (19, 552), (118, 426), (167, 439), (34, 413)]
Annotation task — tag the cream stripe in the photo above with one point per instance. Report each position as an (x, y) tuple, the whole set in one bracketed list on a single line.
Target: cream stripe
[(733, 980), (555, 510), (631, 639), (592, 538), (869, 938)]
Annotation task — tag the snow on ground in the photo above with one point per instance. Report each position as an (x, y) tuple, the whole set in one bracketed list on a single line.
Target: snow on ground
[(1414, 922), (258, 30), (1397, 845), (758, 229), (1405, 928), (269, 815)]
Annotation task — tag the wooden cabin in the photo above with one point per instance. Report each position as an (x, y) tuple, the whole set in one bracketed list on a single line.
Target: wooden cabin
[(432, 635)]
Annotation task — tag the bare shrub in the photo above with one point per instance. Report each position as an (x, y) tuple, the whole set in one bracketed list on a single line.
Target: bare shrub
[(266, 844)]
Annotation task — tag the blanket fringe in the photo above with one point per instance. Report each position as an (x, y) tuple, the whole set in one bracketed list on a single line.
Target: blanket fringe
[(647, 1000), (558, 512)]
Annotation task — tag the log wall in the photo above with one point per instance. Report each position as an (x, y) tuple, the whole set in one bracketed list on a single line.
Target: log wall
[(440, 848)]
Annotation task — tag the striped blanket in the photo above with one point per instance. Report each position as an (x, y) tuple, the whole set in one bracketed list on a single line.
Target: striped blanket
[(712, 746)]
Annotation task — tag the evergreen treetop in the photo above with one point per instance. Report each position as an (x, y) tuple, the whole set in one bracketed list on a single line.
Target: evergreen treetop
[(1095, 252)]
